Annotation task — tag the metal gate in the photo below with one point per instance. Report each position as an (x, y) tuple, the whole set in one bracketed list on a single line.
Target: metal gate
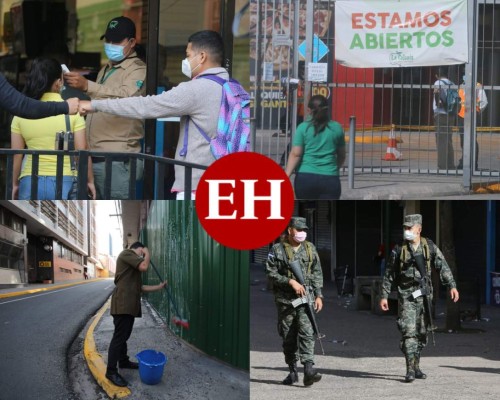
[(290, 39)]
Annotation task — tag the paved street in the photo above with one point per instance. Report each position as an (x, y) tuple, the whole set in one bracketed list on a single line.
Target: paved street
[(413, 177), (362, 359), (36, 331), (418, 150)]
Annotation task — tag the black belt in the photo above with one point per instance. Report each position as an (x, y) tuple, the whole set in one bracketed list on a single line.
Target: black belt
[(97, 159)]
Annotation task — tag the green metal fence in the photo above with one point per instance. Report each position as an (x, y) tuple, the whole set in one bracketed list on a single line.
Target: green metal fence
[(209, 283)]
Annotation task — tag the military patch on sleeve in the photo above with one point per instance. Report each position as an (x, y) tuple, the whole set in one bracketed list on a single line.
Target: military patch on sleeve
[(270, 256), (139, 84)]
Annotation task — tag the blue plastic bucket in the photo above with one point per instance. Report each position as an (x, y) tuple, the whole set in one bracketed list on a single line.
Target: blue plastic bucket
[(151, 364)]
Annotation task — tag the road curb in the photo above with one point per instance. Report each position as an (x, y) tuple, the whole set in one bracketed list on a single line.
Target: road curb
[(95, 361), (489, 188), (45, 289)]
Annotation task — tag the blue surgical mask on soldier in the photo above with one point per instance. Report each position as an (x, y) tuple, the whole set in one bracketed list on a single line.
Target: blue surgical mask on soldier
[(300, 236), (186, 68), (409, 235), (114, 52)]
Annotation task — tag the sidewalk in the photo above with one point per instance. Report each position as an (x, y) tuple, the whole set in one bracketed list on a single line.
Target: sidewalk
[(188, 373), (362, 358), (377, 186), (399, 187)]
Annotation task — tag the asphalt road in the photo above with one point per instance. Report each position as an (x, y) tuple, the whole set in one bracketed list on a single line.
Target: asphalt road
[(362, 358), (36, 332)]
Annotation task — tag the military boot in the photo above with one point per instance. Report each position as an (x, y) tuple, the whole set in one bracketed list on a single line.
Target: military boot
[(418, 372), (293, 376), (410, 368), (310, 374)]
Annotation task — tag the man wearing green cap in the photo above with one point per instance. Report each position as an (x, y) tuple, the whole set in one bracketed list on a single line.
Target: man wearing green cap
[(294, 325), (123, 76), (409, 269)]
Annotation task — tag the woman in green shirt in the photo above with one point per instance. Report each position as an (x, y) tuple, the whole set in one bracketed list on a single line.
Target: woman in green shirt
[(318, 152)]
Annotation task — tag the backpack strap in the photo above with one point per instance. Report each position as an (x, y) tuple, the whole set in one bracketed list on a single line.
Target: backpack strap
[(403, 250), (428, 248), (214, 78), (309, 254), (287, 250), (183, 151), (429, 252)]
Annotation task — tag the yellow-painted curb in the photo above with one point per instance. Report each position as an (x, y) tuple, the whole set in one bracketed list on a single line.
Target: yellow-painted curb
[(372, 139), (45, 289), (96, 363), (490, 188)]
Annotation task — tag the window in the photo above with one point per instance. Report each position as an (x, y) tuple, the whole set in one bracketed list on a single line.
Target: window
[(10, 254)]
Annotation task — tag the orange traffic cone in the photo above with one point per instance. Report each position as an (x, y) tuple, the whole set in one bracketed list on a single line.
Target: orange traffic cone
[(392, 153)]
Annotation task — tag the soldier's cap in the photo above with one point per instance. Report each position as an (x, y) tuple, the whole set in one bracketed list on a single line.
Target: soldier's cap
[(412, 219), (298, 223), (118, 29)]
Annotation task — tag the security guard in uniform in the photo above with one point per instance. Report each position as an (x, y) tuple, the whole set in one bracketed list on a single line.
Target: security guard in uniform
[(409, 269), (123, 76), (294, 325)]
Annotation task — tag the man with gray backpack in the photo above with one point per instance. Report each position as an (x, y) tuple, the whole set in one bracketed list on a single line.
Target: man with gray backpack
[(445, 105), (214, 109)]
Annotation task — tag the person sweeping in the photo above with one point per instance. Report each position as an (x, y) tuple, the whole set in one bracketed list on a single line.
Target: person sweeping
[(126, 306)]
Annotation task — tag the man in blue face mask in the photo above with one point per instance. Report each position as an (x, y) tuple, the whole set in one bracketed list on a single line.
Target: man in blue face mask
[(197, 101), (123, 76)]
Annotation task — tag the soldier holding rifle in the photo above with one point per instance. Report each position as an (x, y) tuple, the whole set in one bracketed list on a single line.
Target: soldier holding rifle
[(409, 269), (294, 268)]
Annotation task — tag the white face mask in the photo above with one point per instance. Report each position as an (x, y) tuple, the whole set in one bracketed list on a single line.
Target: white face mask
[(409, 235), (186, 68), (300, 236)]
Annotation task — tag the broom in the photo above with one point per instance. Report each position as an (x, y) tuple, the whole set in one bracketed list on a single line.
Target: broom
[(176, 320)]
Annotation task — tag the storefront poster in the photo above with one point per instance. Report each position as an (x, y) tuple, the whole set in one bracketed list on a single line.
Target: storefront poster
[(383, 33), (274, 41)]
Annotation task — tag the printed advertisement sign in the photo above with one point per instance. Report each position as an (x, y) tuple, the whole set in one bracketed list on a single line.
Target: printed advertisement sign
[(383, 33), (274, 41)]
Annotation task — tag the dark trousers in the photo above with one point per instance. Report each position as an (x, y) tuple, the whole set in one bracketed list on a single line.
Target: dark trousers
[(461, 134), (444, 143), (118, 347), (315, 186)]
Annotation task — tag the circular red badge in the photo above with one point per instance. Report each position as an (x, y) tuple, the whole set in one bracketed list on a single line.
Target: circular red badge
[(244, 200)]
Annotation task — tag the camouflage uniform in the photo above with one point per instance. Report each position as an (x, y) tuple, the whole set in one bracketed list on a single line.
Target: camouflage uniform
[(404, 274), (294, 325), (402, 271)]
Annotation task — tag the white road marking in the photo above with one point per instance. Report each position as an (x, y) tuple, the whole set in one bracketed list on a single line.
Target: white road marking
[(37, 295)]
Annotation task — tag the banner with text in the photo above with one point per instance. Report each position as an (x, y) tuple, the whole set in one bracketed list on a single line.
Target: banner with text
[(405, 33)]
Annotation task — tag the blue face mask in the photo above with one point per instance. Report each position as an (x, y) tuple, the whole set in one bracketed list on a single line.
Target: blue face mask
[(114, 52)]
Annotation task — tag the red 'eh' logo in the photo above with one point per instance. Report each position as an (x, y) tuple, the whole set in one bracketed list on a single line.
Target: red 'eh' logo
[(244, 200)]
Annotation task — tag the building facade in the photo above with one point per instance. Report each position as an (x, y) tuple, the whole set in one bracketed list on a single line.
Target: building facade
[(47, 241)]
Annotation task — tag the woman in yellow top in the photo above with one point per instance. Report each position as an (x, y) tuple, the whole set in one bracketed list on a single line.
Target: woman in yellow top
[(44, 83)]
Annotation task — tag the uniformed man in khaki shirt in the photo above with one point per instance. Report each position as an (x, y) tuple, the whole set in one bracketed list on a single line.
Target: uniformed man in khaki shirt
[(123, 76), (126, 306)]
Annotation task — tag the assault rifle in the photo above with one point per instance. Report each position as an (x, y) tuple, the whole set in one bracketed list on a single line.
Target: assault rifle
[(425, 288), (308, 300)]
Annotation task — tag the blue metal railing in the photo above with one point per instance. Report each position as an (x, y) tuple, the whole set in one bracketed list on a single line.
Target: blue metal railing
[(82, 167)]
